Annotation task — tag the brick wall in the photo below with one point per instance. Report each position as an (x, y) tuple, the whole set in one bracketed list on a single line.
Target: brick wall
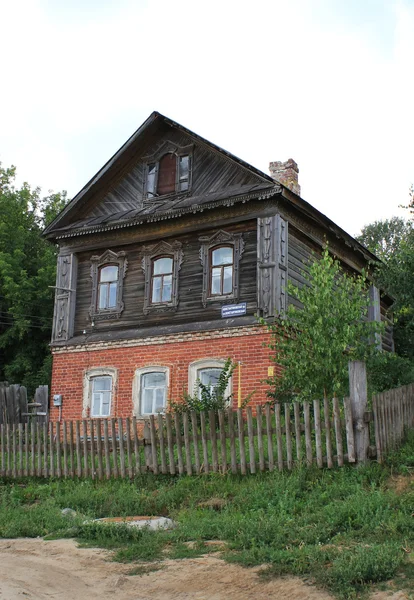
[(247, 345)]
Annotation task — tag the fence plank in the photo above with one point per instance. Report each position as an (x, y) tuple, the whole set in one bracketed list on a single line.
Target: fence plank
[(153, 435), (85, 448), (233, 456), (223, 445), (349, 428), (99, 447), (3, 449), (78, 450), (250, 434), (106, 450), (279, 436), (136, 446), (318, 432), (114, 449), (204, 441), (259, 420), (328, 439), (242, 449), (268, 414), (65, 450), (121, 447), (187, 444), (14, 442), (58, 451), (338, 432), (213, 440), (32, 448), (296, 412), (195, 441), (308, 437), (289, 456), (26, 449), (21, 450), (52, 448), (177, 422), (377, 429), (162, 443), (71, 453), (92, 447), (171, 458)]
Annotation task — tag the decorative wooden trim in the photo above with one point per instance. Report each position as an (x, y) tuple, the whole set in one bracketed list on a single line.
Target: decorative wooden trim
[(168, 147), (272, 265), (65, 297), (207, 243), (163, 248), (107, 258)]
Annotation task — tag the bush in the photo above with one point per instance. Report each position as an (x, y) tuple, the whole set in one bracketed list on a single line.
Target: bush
[(387, 371)]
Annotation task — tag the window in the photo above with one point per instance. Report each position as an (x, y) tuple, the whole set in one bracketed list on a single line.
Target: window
[(221, 271), (150, 390), (107, 273), (206, 370), (162, 274), (168, 171), (108, 286), (101, 396), (220, 255), (161, 264), (99, 384)]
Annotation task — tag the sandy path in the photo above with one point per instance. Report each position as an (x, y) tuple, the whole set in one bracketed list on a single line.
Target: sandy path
[(34, 569)]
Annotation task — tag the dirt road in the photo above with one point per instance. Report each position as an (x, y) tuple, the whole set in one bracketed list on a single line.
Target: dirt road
[(34, 569)]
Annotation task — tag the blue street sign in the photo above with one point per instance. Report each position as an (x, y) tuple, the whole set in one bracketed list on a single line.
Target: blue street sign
[(233, 310)]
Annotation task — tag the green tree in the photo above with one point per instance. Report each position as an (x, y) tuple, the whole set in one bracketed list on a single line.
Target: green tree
[(27, 269), (393, 241), (313, 344)]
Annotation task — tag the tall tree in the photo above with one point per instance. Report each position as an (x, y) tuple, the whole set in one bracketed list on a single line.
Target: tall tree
[(27, 269)]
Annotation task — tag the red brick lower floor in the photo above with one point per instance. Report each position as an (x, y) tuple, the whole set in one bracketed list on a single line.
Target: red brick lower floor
[(71, 366)]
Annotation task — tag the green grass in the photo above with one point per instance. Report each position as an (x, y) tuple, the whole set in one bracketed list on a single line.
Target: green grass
[(347, 529)]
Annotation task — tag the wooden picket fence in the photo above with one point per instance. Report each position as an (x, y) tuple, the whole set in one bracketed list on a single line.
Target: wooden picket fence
[(393, 416), (275, 437), (15, 407)]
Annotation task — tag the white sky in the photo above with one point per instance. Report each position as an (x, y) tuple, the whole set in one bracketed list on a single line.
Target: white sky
[(326, 82)]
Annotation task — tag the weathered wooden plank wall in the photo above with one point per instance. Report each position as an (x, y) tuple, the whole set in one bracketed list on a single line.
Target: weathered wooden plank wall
[(393, 417)]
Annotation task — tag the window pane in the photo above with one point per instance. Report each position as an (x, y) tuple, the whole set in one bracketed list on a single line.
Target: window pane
[(153, 380), (147, 401), (102, 383), (167, 287), (209, 377), (152, 170), (222, 256), (156, 289), (163, 265), (103, 291), (96, 405), (106, 404), (112, 295), (109, 273), (184, 167), (159, 399), (228, 280), (215, 281)]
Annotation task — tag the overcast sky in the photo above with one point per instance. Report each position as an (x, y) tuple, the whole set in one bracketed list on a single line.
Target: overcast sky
[(326, 82)]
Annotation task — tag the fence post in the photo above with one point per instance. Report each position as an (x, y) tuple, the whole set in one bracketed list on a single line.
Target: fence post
[(359, 398)]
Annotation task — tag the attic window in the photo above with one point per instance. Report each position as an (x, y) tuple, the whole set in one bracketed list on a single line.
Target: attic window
[(169, 175)]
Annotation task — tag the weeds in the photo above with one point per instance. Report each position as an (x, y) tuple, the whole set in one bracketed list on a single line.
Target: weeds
[(345, 528)]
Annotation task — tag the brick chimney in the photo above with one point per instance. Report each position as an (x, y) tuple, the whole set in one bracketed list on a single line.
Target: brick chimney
[(286, 173)]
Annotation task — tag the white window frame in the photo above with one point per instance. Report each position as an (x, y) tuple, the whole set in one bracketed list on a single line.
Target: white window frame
[(206, 363), (88, 378), (137, 388)]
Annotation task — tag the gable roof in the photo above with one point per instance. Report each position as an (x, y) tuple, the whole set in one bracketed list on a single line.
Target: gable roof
[(65, 223)]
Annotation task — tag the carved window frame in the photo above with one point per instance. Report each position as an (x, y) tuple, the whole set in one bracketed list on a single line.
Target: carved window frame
[(137, 388), (88, 377), (221, 238), (168, 147), (97, 262), (151, 253)]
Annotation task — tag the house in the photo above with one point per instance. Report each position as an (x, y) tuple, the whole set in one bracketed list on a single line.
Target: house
[(166, 257)]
